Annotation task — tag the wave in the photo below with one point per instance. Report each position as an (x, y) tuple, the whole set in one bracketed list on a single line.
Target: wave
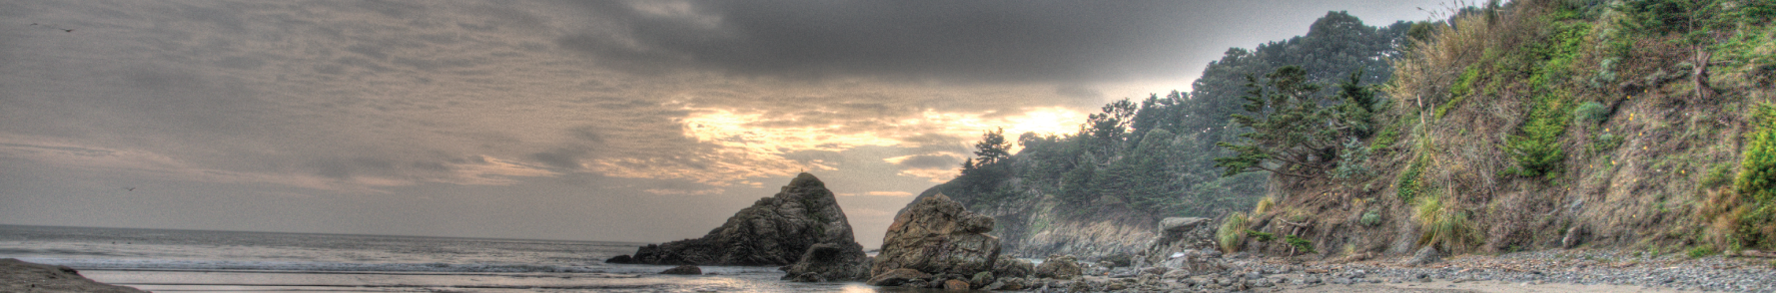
[(334, 267)]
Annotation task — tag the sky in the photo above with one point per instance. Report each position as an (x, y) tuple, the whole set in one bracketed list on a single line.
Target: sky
[(635, 121)]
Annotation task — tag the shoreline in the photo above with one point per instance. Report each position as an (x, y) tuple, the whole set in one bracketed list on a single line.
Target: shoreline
[(1537, 271)]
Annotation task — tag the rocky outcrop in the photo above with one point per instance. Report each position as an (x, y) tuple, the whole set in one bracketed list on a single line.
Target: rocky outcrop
[(774, 231), (1011, 267), (1059, 267), (937, 236), (1030, 226), (897, 277), (1177, 235), (831, 262), (20, 276)]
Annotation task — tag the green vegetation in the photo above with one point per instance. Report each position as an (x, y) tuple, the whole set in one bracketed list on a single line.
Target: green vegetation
[(1300, 245), (1408, 185), (1370, 219), (1444, 225), (1757, 183), (1260, 236), (1592, 112), (1231, 233), (1156, 156), (1700, 251)]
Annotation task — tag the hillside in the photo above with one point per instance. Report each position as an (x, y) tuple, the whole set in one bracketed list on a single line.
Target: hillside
[(1643, 125), (1102, 190)]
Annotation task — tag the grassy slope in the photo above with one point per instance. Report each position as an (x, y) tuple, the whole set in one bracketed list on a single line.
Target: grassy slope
[(1518, 126)]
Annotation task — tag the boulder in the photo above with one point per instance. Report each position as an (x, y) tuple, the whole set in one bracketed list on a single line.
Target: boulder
[(1179, 234), (1193, 262), (1011, 267), (1425, 255), (831, 262), (621, 259), (938, 236), (955, 285), (683, 270), (774, 231), (1059, 267), (896, 277)]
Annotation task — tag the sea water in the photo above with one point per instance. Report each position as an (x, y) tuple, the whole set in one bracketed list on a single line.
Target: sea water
[(221, 261)]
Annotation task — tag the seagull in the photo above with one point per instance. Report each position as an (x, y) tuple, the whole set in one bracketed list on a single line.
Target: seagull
[(129, 189), (68, 30)]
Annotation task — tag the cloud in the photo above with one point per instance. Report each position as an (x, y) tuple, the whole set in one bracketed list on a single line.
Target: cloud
[(890, 193), (938, 40)]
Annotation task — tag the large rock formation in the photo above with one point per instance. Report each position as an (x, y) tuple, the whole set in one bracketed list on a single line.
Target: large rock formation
[(774, 231), (938, 236), (1028, 225)]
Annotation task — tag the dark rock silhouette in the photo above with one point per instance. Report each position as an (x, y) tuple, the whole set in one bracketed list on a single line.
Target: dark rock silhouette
[(831, 262), (774, 231), (683, 270)]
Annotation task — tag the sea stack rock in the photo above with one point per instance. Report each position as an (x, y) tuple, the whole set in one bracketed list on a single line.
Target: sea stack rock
[(774, 231), (938, 236)]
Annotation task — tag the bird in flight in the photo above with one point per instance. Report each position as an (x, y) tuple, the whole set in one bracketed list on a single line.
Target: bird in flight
[(68, 30), (129, 189)]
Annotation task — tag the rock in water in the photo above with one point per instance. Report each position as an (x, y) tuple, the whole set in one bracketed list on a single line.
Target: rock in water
[(774, 231), (938, 236), (620, 259), (684, 270), (831, 262)]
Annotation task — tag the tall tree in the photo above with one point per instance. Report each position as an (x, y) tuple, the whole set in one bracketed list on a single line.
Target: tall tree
[(993, 147), (1290, 131)]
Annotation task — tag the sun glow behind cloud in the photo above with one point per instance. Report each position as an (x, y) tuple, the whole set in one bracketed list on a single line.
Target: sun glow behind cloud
[(755, 137)]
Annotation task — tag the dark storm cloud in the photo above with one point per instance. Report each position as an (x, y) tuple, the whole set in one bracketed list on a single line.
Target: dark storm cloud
[(975, 40)]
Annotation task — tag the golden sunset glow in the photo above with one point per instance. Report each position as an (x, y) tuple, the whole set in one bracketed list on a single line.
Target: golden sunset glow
[(762, 141)]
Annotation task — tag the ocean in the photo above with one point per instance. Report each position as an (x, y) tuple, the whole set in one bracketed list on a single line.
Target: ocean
[(160, 260)]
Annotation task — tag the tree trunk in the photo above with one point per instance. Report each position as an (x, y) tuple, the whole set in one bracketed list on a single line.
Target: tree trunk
[(1700, 73)]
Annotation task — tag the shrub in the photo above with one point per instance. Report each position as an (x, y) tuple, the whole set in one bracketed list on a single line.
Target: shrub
[(1231, 233), (1537, 149), (1370, 218), (1260, 236), (1407, 186), (1700, 251), (1300, 245), (1592, 112), (1442, 224), (1264, 206), (1717, 176), (1757, 182)]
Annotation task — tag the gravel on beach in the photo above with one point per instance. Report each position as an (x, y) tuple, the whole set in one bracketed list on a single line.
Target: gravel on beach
[(1540, 271)]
